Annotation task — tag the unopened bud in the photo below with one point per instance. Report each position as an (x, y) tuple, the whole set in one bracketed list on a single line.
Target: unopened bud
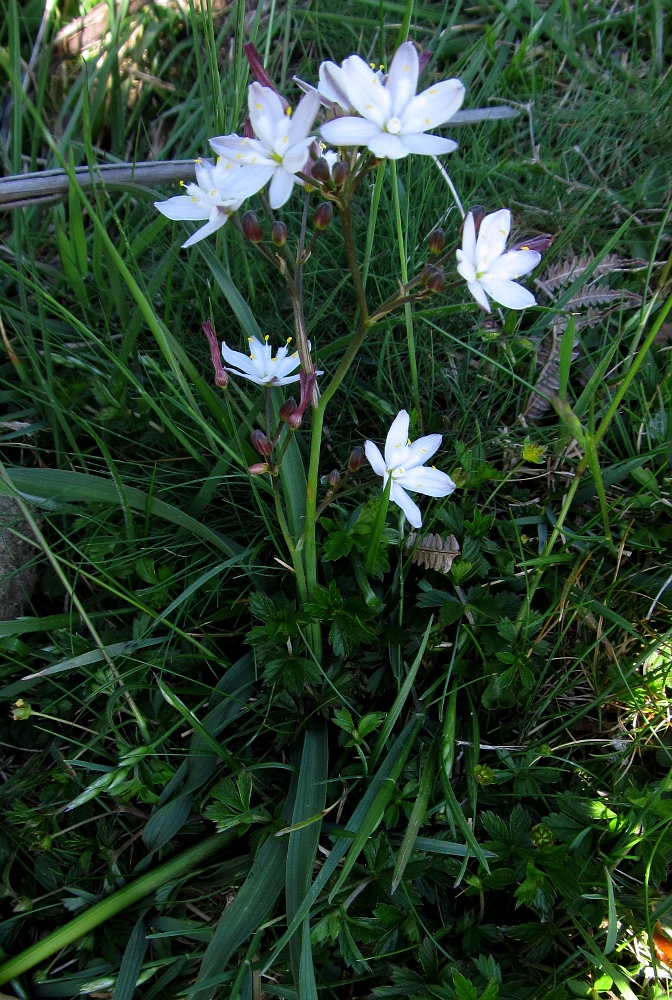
[(356, 460), (436, 242), (221, 375), (287, 409), (320, 170), (21, 710), (478, 213), (324, 213), (539, 243), (339, 173), (334, 478), (258, 470), (260, 442), (437, 281), (279, 233), (252, 227), (428, 272), (294, 420)]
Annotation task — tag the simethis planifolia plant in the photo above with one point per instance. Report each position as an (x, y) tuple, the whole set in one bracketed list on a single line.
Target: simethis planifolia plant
[(356, 121)]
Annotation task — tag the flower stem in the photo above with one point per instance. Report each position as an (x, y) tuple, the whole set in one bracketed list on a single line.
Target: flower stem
[(374, 544), (375, 201), (410, 334), (294, 552)]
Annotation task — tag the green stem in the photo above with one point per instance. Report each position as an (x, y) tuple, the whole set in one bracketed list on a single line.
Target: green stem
[(294, 553), (107, 908), (374, 544), (410, 334), (373, 215)]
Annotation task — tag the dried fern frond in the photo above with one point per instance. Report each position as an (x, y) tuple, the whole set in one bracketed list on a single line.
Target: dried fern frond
[(548, 383), (599, 295), (560, 274), (433, 551)]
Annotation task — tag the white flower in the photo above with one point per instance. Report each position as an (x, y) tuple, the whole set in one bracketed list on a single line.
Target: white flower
[(394, 119), (260, 366), (278, 152), (488, 269), (404, 464), (207, 199)]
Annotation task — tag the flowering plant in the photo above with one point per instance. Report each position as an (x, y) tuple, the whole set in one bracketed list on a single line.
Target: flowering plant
[(370, 119)]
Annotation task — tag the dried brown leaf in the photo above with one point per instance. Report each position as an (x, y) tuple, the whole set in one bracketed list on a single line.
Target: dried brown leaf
[(433, 551)]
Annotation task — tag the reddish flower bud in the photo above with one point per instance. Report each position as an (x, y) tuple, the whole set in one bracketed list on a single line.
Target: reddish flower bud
[(260, 442), (428, 271), (258, 470), (334, 478), (324, 213), (339, 173), (287, 409), (539, 243), (436, 242), (479, 214), (294, 420), (320, 170), (259, 73), (221, 376), (248, 131), (279, 233), (437, 281), (356, 460), (252, 227), (423, 58)]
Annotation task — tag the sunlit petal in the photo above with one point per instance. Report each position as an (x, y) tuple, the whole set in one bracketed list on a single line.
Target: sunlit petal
[(508, 293), (478, 292), (207, 230), (431, 482), (396, 442), (376, 460), (402, 79), (388, 146), (349, 131), (302, 120), (422, 450), (281, 188), (434, 106), (428, 145), (410, 509), (514, 264)]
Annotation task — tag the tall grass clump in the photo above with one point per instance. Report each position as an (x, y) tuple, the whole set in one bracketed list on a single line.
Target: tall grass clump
[(335, 553)]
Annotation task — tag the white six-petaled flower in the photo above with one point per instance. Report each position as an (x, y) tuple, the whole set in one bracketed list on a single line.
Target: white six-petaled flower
[(260, 366), (488, 268), (394, 118), (207, 200), (280, 149), (403, 462)]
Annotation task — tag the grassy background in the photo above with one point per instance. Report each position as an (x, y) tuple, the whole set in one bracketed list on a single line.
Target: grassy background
[(522, 700)]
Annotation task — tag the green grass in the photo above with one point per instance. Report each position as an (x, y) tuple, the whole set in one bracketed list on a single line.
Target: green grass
[(469, 796)]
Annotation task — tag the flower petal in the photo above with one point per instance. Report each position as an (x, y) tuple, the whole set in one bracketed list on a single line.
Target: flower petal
[(434, 106), (332, 85), (266, 113), (366, 92), (239, 149), (514, 264), (281, 187), (349, 131), (477, 290), (387, 146), (203, 170), (397, 439), (249, 180), (285, 365), (241, 361), (508, 293), (431, 482), (302, 120), (182, 207), (295, 158), (376, 460), (468, 243), (465, 267), (422, 450), (428, 145), (410, 509), (282, 381), (207, 230), (492, 236), (402, 79)]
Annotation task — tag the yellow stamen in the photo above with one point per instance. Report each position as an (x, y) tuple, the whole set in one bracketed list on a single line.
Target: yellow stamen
[(267, 338), (198, 160), (289, 340)]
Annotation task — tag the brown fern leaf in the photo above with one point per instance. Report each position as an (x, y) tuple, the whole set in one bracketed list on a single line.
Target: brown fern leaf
[(548, 383), (433, 551), (560, 274), (600, 295)]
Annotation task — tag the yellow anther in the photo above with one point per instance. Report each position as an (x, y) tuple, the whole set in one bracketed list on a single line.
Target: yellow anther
[(288, 111), (251, 339), (219, 160), (289, 340), (372, 65), (435, 469), (198, 160), (213, 192), (181, 184), (524, 248), (252, 357), (409, 441), (267, 338)]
